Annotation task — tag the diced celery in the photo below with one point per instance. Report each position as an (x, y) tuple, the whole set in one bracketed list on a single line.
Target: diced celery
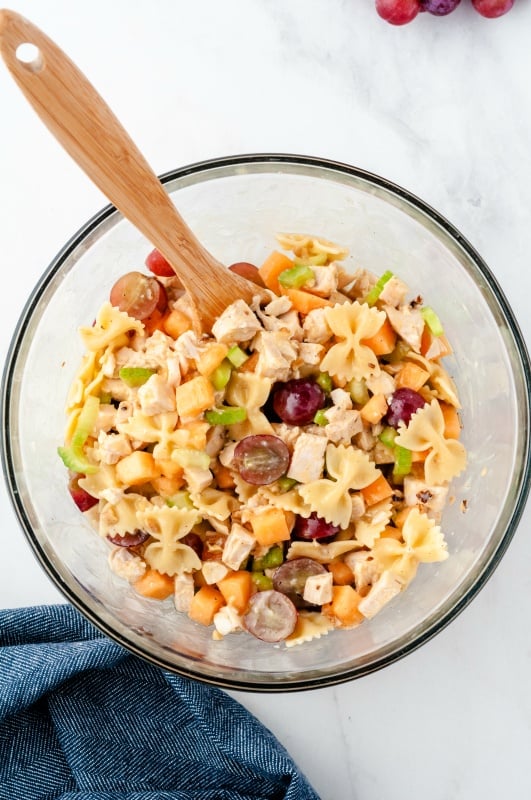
[(388, 436), (73, 456), (179, 500), (358, 391), (432, 320), (320, 417), (221, 375), (105, 398), (186, 457), (312, 261), (295, 277), (135, 376), (273, 558), (377, 289), (399, 353), (325, 381), (285, 484), (237, 356), (262, 582), (403, 460), (225, 416)]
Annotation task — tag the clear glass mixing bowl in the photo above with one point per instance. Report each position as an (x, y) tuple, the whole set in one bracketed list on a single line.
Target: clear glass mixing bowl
[(236, 206)]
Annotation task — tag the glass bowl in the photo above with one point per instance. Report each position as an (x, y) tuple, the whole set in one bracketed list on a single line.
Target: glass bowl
[(236, 206)]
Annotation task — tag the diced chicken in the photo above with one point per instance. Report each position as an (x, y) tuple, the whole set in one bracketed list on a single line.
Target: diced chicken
[(109, 363), (291, 323), (361, 283), (227, 620), (428, 499), (318, 589), (382, 454), (105, 420), (408, 323), (215, 440), (236, 324), (112, 495), (187, 348), (276, 352), (197, 478), (156, 397), (383, 383), (278, 306), (157, 349), (383, 591), (341, 399), (124, 412), (394, 292), (358, 506), (116, 388), (288, 433), (173, 370), (311, 353), (365, 440), (342, 425), (113, 446), (307, 461), (214, 571), (237, 547), (126, 565), (325, 280), (183, 592), (364, 567), (315, 327)]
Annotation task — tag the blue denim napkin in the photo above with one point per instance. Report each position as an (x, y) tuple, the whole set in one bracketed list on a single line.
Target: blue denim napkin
[(82, 719)]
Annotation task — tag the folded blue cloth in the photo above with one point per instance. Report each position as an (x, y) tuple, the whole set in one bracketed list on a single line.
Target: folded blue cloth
[(82, 719)]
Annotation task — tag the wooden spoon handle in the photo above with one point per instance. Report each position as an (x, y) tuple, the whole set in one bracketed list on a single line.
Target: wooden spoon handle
[(88, 130)]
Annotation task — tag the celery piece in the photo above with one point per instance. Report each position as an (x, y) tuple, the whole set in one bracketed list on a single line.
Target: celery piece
[(295, 277), (320, 417), (403, 460), (325, 381), (237, 356), (358, 391), (257, 565), (227, 415), (221, 375), (312, 261), (135, 376), (186, 457), (273, 558), (432, 320), (388, 436), (262, 582), (399, 353), (73, 456), (105, 398), (377, 289), (285, 484), (179, 500)]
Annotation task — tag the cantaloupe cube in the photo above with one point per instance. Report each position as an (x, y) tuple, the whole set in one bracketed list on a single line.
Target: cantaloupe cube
[(211, 357), (270, 527), (136, 468), (205, 604), (452, 423), (194, 397), (169, 468), (383, 341), (175, 323), (236, 588), (155, 584), (378, 490), (344, 606), (374, 409), (274, 264), (341, 573), (167, 486), (411, 376)]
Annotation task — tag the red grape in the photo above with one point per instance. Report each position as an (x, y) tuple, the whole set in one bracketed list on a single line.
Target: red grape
[(246, 270), (297, 401), (314, 528), (158, 265), (81, 498), (261, 459), (136, 294), (129, 539), (271, 616), (492, 8), (439, 7), (398, 12), (404, 403), (290, 578)]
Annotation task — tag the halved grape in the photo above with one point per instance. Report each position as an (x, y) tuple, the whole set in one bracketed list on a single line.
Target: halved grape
[(297, 401), (246, 270), (271, 616), (313, 527), (261, 459), (158, 265), (129, 539), (136, 294), (194, 541), (83, 500), (290, 578), (404, 403)]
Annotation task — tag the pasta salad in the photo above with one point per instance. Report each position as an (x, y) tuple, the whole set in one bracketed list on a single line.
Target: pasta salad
[(285, 474)]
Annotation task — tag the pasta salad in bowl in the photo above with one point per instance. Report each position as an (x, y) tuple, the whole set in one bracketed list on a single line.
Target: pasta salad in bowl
[(311, 489)]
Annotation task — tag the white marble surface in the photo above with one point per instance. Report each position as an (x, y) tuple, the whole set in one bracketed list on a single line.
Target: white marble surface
[(442, 107)]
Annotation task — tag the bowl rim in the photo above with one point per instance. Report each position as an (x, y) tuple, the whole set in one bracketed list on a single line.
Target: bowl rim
[(233, 683)]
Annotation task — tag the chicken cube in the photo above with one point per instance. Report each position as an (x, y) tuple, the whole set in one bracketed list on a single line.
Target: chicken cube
[(276, 352), (236, 324), (342, 425), (113, 446), (383, 591), (318, 589), (307, 461), (197, 478), (325, 280), (364, 567), (127, 565), (156, 397), (227, 620), (183, 592), (315, 327), (408, 323), (394, 292), (311, 353), (237, 547), (214, 571), (341, 399), (428, 499)]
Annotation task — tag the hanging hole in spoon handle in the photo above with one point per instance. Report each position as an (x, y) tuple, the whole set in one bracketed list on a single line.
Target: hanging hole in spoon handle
[(88, 130)]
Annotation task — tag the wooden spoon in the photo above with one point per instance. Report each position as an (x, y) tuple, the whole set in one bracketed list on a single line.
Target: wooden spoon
[(88, 130)]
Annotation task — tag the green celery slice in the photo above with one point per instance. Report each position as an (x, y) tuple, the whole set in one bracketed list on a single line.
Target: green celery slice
[(237, 356), (285, 484), (186, 457), (377, 289), (432, 320), (135, 376), (325, 382), (295, 277), (403, 460), (229, 415), (73, 456), (221, 375), (388, 436), (273, 558), (358, 391), (179, 500), (262, 582), (320, 417), (312, 261)]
